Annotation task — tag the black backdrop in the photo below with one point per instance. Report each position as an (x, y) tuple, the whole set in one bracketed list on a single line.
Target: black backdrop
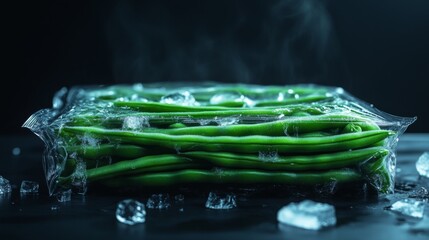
[(376, 50)]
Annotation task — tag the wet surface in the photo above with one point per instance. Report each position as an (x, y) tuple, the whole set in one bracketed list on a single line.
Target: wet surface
[(41, 216)]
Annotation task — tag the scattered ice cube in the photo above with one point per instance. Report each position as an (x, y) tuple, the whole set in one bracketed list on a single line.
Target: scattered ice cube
[(421, 193), (135, 123), (29, 187), (308, 215), (422, 165), (79, 177), (221, 201), (268, 156), (131, 212), (159, 201), (4, 186), (16, 151), (226, 121), (55, 207), (180, 98), (64, 196), (409, 207)]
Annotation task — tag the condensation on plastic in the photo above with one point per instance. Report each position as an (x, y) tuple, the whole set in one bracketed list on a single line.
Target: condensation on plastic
[(135, 108)]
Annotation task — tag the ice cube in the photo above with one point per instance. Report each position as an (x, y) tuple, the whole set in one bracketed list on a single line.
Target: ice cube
[(64, 196), (159, 201), (55, 207), (180, 98), (4, 186), (130, 211), (409, 207), (221, 201), (29, 187), (422, 165), (308, 215), (135, 123)]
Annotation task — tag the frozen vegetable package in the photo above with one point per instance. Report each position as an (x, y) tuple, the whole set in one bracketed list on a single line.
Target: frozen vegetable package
[(146, 136)]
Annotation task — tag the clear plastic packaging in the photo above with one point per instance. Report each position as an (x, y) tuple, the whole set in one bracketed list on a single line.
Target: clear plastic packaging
[(170, 135)]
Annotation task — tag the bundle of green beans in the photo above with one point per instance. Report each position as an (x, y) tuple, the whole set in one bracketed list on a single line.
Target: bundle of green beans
[(158, 135)]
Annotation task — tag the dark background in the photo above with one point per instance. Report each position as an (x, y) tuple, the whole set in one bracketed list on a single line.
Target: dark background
[(376, 50)]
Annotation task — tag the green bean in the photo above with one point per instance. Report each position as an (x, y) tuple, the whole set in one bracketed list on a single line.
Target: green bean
[(290, 163), (247, 144)]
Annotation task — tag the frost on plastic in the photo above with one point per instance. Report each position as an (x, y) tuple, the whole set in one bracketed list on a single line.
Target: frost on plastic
[(148, 135), (29, 187), (158, 201), (5, 186), (422, 165), (130, 212)]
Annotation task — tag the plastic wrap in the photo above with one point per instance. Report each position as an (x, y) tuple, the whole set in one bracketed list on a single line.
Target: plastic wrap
[(166, 135)]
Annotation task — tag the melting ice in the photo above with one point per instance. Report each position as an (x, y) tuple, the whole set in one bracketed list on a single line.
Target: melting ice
[(159, 201), (130, 212), (308, 215), (219, 201), (4, 186), (409, 207), (29, 187), (422, 165)]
